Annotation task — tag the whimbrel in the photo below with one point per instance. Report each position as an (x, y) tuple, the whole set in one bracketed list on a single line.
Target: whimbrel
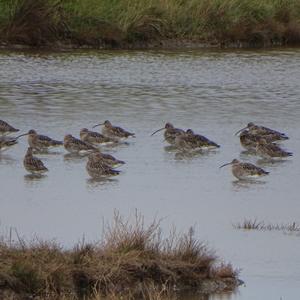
[(97, 168), (7, 143), (33, 164), (93, 137), (245, 171), (40, 142), (249, 140), (202, 141), (114, 131), (269, 150), (5, 128), (74, 145), (264, 131), (170, 133), (107, 159)]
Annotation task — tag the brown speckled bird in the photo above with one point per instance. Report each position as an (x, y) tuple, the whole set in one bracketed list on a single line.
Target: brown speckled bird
[(244, 171), (74, 145), (202, 141), (114, 131), (97, 168), (249, 140), (41, 142), (107, 159), (5, 128), (33, 164), (170, 133), (93, 137), (269, 150), (264, 131), (6, 143)]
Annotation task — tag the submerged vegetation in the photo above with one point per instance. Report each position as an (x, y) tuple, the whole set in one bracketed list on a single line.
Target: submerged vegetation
[(132, 259), (262, 226), (141, 23)]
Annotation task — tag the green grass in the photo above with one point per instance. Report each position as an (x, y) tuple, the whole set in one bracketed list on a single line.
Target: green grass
[(122, 23), (132, 259)]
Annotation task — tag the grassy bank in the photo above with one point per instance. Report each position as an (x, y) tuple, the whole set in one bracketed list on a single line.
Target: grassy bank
[(147, 23), (132, 260)]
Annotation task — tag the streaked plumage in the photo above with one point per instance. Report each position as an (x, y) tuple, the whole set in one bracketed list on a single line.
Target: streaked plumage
[(107, 159), (249, 141), (170, 133), (244, 171), (269, 150), (74, 145), (93, 137), (41, 142), (264, 131), (97, 168), (5, 128), (7, 143), (33, 164), (202, 141), (186, 142), (114, 131)]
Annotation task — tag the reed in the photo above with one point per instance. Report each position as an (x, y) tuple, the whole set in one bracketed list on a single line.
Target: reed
[(249, 224), (126, 23), (132, 259)]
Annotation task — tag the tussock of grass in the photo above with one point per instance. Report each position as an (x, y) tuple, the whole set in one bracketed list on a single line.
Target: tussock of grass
[(131, 259), (121, 23), (256, 225)]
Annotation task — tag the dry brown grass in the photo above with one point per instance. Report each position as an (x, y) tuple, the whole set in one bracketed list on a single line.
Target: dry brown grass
[(35, 22), (249, 224), (131, 259), (129, 23)]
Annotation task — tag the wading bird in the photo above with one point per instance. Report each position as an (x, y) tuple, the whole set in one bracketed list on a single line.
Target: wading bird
[(74, 145), (33, 164), (269, 150), (262, 131), (170, 133), (244, 171), (5, 128), (96, 167), (93, 137), (114, 131)]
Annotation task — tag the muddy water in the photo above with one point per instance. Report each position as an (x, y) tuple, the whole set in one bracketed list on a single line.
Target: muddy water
[(215, 93)]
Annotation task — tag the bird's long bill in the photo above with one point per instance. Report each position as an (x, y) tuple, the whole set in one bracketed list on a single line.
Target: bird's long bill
[(240, 130), (98, 125), (22, 135), (157, 130), (225, 165)]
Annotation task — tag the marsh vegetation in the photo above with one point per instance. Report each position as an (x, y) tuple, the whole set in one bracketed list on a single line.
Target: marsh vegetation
[(135, 23), (249, 224), (132, 259)]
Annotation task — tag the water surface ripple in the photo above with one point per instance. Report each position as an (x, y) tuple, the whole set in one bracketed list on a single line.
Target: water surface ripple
[(213, 92)]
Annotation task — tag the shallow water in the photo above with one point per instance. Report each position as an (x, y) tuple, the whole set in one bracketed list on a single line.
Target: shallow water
[(215, 93)]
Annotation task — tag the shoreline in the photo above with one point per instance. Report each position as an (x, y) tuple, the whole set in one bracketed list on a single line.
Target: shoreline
[(131, 259), (165, 44)]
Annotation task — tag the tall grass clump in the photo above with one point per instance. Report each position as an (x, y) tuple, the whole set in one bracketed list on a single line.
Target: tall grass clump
[(33, 22), (132, 259), (129, 23)]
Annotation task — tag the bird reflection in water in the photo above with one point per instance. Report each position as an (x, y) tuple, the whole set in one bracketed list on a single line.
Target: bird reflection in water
[(93, 183), (247, 184)]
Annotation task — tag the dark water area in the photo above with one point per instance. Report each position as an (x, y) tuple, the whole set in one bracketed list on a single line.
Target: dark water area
[(213, 92)]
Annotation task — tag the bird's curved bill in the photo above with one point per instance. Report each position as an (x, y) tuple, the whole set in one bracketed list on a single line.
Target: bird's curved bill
[(157, 130), (240, 130), (24, 134), (98, 125), (225, 165)]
